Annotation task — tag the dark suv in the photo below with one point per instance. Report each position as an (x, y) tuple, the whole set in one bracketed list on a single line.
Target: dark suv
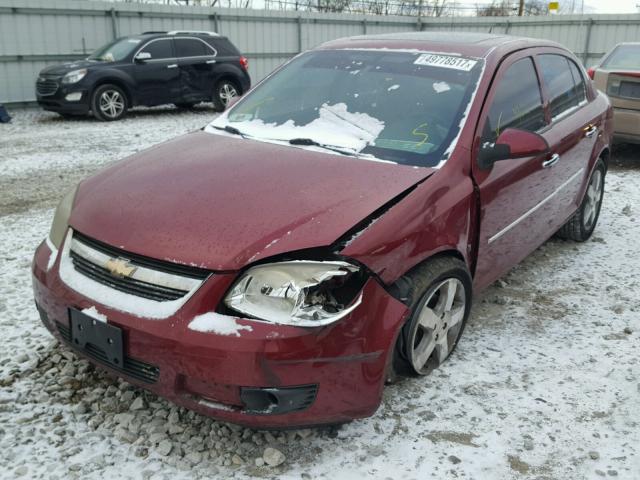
[(155, 68)]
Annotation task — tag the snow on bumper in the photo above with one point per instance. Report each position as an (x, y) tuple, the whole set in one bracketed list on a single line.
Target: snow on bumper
[(217, 375)]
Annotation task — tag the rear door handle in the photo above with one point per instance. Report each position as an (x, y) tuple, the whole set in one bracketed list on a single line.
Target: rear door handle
[(173, 65), (211, 61), (590, 131), (551, 161)]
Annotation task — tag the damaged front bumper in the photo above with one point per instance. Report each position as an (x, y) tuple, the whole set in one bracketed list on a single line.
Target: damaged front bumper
[(268, 376)]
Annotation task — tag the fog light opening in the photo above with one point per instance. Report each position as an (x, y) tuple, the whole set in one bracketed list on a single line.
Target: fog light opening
[(73, 97)]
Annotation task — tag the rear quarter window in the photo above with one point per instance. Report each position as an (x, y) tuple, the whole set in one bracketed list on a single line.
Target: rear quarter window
[(224, 47)]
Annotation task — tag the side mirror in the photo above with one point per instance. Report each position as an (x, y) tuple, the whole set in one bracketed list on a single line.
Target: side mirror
[(143, 57), (511, 144)]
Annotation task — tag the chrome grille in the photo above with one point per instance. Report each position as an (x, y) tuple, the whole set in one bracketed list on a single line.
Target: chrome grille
[(147, 278), (46, 86)]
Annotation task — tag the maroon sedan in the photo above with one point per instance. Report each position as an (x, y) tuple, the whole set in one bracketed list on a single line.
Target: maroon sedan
[(275, 268)]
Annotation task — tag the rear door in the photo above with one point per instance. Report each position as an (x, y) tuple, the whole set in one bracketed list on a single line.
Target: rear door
[(158, 77), (197, 62), (513, 192), (574, 128)]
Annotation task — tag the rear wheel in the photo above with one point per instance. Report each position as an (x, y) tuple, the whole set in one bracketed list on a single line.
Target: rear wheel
[(440, 305), (223, 92), (582, 224), (109, 103)]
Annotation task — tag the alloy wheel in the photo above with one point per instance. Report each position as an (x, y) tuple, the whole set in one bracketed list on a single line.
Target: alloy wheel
[(439, 324), (112, 103), (593, 200), (226, 92)]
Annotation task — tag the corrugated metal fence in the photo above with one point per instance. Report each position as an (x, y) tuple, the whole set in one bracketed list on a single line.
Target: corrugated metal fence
[(35, 33)]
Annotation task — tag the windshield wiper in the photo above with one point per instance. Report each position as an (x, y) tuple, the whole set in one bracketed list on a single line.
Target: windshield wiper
[(312, 143), (230, 129)]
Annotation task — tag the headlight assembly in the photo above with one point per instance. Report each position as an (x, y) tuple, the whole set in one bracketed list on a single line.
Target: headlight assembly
[(61, 218), (302, 293), (74, 76)]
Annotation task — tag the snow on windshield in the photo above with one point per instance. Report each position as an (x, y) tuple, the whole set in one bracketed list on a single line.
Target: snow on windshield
[(402, 107), (335, 126)]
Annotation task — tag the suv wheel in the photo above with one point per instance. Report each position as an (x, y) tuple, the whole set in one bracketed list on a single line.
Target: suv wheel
[(109, 103), (223, 92)]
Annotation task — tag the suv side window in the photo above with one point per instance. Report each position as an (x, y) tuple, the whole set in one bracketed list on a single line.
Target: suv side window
[(188, 47), (578, 81), (159, 49), (517, 102), (564, 89)]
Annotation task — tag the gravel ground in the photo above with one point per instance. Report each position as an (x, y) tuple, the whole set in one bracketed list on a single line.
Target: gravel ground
[(545, 383)]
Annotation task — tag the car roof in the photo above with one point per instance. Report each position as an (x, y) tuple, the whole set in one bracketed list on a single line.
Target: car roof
[(461, 43)]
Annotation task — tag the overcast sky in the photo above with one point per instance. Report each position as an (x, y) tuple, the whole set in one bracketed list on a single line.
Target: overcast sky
[(612, 6)]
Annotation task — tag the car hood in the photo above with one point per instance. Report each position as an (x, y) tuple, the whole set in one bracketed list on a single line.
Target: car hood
[(221, 203), (63, 68)]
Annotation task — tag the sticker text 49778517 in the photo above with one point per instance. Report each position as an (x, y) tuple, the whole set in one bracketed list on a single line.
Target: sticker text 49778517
[(446, 61)]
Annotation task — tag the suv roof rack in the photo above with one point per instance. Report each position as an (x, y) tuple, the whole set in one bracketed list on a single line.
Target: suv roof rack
[(196, 32), (153, 32)]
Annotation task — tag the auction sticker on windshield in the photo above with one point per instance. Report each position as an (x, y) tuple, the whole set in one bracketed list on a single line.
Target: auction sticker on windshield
[(446, 61)]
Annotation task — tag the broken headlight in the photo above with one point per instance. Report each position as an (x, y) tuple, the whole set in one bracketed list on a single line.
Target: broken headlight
[(302, 293)]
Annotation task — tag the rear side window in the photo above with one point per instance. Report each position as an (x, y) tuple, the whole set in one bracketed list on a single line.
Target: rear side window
[(158, 49), (517, 102), (625, 57), (560, 82), (186, 47)]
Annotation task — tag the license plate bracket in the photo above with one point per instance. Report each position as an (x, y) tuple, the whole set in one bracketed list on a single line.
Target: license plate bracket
[(88, 332)]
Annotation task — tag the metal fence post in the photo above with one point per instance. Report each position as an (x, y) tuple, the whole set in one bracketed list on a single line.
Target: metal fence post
[(216, 27), (364, 26), (507, 27), (114, 23), (299, 34), (585, 54)]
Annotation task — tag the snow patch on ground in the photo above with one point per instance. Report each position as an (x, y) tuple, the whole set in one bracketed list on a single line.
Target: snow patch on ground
[(213, 322)]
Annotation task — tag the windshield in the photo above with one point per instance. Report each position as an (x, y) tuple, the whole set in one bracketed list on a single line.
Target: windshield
[(624, 56), (403, 107), (115, 51)]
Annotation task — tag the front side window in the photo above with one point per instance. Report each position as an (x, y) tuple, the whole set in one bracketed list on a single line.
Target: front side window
[(159, 49), (560, 82), (186, 47), (625, 57), (517, 102), (403, 107)]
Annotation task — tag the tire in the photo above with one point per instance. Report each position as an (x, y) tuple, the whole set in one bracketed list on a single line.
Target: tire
[(109, 103), (223, 92), (435, 325), (582, 224)]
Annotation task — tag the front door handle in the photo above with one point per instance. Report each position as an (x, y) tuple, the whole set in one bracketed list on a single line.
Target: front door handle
[(551, 161), (173, 65), (590, 131)]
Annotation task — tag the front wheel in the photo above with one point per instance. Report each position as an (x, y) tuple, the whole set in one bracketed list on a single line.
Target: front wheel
[(582, 224), (223, 92), (440, 306), (109, 103)]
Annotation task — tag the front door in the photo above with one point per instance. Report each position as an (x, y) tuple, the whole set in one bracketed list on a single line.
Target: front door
[(157, 76), (513, 192)]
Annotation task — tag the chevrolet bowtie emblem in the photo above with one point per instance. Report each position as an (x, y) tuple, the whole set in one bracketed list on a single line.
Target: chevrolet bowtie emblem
[(120, 267)]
